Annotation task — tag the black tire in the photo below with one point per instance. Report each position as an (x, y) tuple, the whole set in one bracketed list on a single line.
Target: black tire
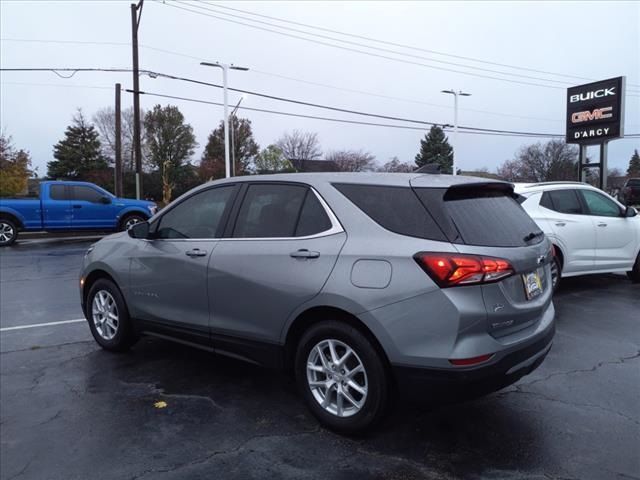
[(8, 232), (557, 277), (634, 275), (125, 335), (378, 395), (130, 220)]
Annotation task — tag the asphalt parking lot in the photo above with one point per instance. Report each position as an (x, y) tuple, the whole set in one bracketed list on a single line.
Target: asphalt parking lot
[(70, 410)]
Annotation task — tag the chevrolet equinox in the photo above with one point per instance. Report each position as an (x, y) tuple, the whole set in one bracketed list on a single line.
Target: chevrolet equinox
[(361, 284)]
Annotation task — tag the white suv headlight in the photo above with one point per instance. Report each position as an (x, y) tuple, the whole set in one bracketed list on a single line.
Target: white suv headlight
[(152, 209)]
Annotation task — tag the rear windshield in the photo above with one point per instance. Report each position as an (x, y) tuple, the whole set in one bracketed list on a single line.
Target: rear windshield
[(634, 182), (480, 216)]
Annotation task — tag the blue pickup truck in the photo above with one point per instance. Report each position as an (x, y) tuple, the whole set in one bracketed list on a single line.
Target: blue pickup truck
[(66, 206)]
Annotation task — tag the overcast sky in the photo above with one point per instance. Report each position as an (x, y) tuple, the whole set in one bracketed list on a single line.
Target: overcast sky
[(583, 39)]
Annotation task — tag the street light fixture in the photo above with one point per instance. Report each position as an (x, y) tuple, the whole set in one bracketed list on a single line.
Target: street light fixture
[(233, 135), (455, 122), (225, 71)]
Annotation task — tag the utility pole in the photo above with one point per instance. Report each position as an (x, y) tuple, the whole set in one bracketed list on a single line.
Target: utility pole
[(136, 14), (233, 136), (118, 146), (455, 122), (225, 71)]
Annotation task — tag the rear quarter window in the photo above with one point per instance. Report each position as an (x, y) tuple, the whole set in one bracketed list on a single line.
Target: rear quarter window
[(397, 209)]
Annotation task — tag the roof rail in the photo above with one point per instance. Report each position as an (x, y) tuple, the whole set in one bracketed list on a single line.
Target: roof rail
[(556, 183)]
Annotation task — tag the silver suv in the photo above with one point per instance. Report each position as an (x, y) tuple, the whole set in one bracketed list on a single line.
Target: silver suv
[(361, 284)]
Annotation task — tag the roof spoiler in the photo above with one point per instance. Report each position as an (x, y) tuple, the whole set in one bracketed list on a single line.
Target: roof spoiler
[(467, 189)]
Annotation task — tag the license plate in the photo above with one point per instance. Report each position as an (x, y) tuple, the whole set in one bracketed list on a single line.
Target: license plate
[(532, 284)]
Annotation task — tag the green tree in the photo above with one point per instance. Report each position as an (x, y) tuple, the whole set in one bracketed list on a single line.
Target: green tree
[(272, 160), (78, 156), (14, 168), (435, 148), (245, 149), (170, 142), (634, 165)]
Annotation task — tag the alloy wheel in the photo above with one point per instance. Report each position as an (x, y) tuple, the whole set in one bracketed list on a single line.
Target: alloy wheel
[(555, 274), (6, 232), (337, 378), (105, 314), (131, 221)]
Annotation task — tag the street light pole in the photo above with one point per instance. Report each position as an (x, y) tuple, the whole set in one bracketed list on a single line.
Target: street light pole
[(233, 136), (225, 71), (455, 122)]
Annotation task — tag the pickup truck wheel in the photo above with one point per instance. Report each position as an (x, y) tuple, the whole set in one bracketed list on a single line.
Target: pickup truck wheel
[(8, 232), (634, 275), (108, 317), (342, 377), (130, 220)]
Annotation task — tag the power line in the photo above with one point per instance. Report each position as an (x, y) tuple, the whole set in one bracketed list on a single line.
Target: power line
[(155, 74), (365, 46), (294, 79), (343, 110), (386, 50), (371, 54), (410, 47), (28, 84), (339, 120)]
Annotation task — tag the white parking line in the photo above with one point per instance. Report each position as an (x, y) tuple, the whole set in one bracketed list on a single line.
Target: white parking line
[(34, 325)]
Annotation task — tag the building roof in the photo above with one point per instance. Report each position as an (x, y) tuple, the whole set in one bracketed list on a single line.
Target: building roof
[(304, 166)]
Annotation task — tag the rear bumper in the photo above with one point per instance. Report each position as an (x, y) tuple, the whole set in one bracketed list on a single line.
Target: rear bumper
[(419, 382)]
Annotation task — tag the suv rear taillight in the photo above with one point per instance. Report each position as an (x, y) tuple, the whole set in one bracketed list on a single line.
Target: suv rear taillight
[(454, 269)]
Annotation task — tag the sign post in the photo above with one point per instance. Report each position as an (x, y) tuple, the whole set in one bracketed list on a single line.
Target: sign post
[(595, 115)]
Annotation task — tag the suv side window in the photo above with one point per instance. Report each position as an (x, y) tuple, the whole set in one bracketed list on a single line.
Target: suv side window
[(87, 194), (198, 216), (270, 211), (313, 218), (58, 192), (600, 205), (397, 209), (563, 201)]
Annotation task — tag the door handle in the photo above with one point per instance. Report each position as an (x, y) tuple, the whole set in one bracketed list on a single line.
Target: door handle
[(560, 224), (304, 253), (196, 252), (602, 224), (77, 206)]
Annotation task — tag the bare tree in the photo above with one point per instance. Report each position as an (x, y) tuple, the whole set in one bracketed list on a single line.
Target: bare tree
[(554, 160), (352, 161), (105, 122), (395, 165), (300, 145)]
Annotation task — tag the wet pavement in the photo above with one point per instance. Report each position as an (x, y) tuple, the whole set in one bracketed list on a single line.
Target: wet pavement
[(70, 410)]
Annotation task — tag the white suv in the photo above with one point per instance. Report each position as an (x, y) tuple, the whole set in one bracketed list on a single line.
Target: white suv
[(591, 232)]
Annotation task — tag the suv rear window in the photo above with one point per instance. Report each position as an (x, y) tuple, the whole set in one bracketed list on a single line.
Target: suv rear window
[(634, 182), (397, 209), (480, 216)]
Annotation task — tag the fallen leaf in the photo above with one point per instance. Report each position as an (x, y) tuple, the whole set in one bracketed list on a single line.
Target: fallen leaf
[(160, 404)]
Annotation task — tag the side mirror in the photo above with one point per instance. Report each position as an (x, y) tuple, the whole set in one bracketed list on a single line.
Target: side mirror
[(139, 230), (630, 212), (106, 200)]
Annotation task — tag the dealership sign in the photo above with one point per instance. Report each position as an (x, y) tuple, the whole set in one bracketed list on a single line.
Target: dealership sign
[(595, 112)]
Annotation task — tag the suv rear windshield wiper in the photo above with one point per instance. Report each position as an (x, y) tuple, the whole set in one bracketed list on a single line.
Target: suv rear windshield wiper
[(532, 235)]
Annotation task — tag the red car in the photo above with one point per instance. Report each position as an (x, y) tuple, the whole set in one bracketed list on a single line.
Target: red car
[(630, 193)]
